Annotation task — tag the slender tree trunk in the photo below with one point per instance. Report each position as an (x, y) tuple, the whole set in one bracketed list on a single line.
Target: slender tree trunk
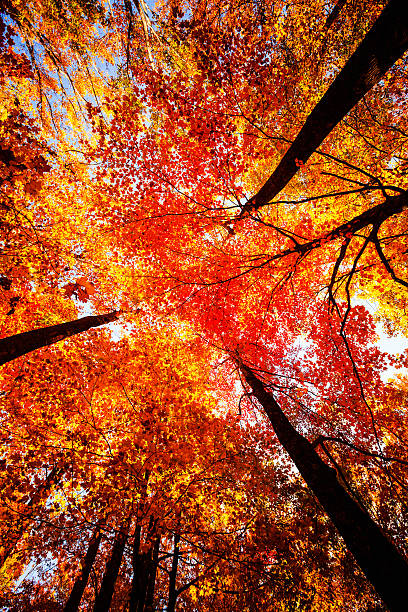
[(171, 604), (376, 215), (151, 584), (382, 564), (104, 598), (143, 570), (78, 589), (21, 344), (139, 580), (335, 12), (41, 494), (139, 559), (381, 47), (142, 590)]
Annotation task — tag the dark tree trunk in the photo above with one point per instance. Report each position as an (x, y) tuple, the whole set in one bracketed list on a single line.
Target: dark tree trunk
[(78, 589), (104, 598), (139, 559), (151, 584), (378, 558), (21, 344), (139, 580), (171, 605), (144, 570), (335, 12), (381, 47), (16, 531), (375, 216)]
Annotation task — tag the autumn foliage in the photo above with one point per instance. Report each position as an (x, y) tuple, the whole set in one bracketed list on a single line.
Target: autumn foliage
[(203, 305)]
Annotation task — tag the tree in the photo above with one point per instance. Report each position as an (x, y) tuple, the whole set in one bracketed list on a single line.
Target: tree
[(104, 598), (180, 498), (21, 344), (78, 589), (363, 70), (362, 536), (20, 523)]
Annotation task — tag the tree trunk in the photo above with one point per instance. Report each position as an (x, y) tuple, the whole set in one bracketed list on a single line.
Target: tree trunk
[(21, 344), (171, 605), (104, 598), (151, 584), (378, 558), (78, 589), (139, 559), (144, 570), (381, 47), (375, 216), (139, 580), (335, 12), (15, 532)]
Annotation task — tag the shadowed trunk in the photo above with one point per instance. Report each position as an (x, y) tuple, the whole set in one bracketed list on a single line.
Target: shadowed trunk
[(139, 559), (171, 605), (139, 580), (378, 558), (335, 12), (151, 584), (78, 589), (21, 344), (379, 50), (144, 564), (375, 216), (104, 598)]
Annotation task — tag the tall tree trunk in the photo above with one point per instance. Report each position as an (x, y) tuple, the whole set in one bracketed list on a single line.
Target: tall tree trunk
[(375, 216), (104, 598), (381, 47), (139, 559), (382, 564), (151, 584), (171, 604), (78, 589), (21, 344), (335, 12), (144, 569), (40, 495), (139, 580)]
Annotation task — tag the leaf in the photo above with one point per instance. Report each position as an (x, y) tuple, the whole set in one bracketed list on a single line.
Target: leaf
[(69, 289), (88, 286)]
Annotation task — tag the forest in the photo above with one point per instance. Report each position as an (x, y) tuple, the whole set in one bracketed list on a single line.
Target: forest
[(203, 305)]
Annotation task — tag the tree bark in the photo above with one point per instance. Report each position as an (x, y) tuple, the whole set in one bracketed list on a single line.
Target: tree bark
[(78, 589), (335, 12), (21, 344), (104, 598), (151, 584), (139, 559), (375, 216), (144, 570), (378, 558), (381, 47), (171, 604), (139, 580)]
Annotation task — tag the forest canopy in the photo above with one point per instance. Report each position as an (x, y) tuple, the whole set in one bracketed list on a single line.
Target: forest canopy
[(204, 313)]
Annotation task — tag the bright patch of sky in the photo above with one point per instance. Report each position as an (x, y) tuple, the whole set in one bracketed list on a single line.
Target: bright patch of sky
[(394, 345)]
